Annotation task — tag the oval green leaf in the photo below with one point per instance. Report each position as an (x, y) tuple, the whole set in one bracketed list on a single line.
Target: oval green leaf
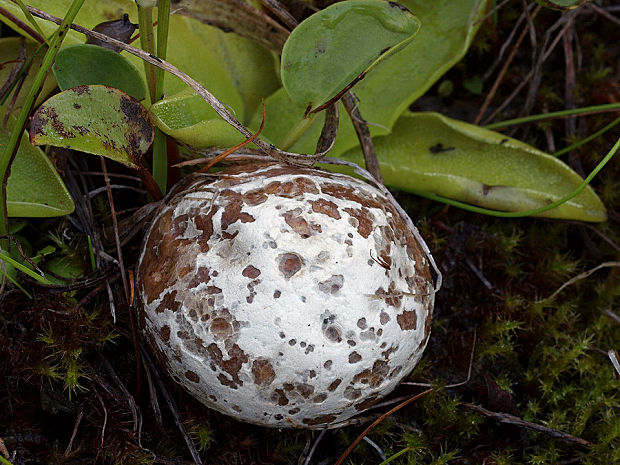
[(336, 47), (189, 119), (94, 119), (34, 188), (84, 64), (428, 152), (448, 28)]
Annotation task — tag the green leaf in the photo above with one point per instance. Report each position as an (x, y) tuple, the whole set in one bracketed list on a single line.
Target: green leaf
[(83, 64), (34, 188), (9, 51), (562, 4), (189, 119), (448, 28), (428, 152), (337, 46), (94, 119)]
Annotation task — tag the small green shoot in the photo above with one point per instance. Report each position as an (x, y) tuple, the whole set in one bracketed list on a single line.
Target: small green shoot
[(555, 114), (31, 19), (24, 269), (91, 253)]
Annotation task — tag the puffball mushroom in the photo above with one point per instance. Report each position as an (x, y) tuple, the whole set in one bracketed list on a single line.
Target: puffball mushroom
[(284, 296)]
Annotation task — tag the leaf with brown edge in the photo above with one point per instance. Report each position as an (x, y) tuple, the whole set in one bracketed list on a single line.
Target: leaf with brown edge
[(94, 119)]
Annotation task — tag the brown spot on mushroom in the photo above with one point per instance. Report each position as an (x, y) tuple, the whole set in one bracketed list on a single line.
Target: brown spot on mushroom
[(361, 323), (386, 353), (365, 404), (364, 223), (220, 328), (232, 212), (407, 320), (293, 411), (193, 377), (373, 377), (200, 276), (168, 303), (290, 264), (279, 397), (332, 285), (392, 297), (342, 192), (232, 366), (328, 364), (305, 390), (276, 294), (333, 334), (213, 290), (157, 272), (354, 357), (292, 189), (352, 393), (254, 197), (204, 222), (250, 272), (319, 398), (263, 372), (334, 384), (384, 318), (319, 420), (299, 223), (326, 207), (164, 332)]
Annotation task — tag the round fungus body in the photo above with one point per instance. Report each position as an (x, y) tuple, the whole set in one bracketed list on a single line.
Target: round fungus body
[(282, 296)]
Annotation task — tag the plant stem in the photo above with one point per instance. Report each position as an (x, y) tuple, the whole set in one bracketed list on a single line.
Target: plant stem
[(155, 76), (11, 148), (536, 211), (30, 18), (396, 455), (163, 25), (160, 155), (556, 114), (147, 42)]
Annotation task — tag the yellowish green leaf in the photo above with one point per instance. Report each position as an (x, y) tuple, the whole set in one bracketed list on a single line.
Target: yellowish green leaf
[(428, 152)]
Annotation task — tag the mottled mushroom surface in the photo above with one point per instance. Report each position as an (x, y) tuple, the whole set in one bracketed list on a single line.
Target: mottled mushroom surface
[(283, 296)]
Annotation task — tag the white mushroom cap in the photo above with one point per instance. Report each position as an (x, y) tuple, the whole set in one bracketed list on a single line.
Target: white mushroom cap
[(283, 296)]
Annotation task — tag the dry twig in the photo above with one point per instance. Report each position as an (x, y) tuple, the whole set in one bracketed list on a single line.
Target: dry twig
[(516, 421), (363, 135), (579, 277), (375, 423), (503, 71)]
